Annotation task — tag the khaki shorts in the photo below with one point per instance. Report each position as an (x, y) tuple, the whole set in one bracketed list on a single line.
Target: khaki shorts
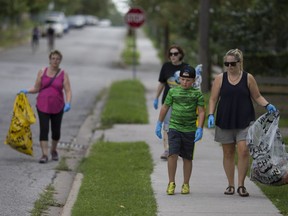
[(227, 136)]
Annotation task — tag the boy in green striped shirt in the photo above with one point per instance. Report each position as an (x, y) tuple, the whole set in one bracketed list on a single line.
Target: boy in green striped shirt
[(187, 106)]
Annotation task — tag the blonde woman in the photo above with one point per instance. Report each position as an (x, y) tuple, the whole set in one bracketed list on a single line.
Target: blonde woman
[(233, 91)]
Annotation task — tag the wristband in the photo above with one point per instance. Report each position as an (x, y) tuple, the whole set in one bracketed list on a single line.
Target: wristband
[(266, 105)]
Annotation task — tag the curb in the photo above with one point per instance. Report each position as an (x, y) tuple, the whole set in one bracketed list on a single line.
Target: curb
[(72, 197)]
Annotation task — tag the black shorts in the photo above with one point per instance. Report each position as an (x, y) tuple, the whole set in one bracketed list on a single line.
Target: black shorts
[(181, 143)]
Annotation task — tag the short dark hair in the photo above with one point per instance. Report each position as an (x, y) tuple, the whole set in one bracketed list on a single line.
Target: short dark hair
[(180, 50), (57, 52)]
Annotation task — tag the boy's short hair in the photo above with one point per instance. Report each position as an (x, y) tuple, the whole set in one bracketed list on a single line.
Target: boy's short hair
[(187, 72)]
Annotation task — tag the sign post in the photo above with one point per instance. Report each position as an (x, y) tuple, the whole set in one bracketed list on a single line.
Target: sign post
[(135, 17)]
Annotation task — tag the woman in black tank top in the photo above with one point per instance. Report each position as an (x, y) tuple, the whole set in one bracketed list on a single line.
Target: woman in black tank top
[(233, 91)]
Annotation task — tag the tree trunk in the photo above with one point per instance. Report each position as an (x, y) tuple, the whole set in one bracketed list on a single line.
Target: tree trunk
[(204, 44)]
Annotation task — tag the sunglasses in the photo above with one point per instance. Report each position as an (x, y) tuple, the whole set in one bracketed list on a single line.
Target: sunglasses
[(174, 53), (233, 64)]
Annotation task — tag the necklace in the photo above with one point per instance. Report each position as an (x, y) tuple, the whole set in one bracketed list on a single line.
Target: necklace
[(236, 79)]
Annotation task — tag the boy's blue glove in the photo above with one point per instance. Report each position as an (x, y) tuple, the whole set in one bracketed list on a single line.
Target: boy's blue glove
[(210, 120), (155, 103), (198, 134), (270, 108), (158, 129), (67, 107), (25, 91)]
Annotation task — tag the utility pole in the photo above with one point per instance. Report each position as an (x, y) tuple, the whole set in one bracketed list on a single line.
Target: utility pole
[(204, 44)]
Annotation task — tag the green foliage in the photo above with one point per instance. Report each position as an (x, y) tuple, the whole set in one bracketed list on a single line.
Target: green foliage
[(116, 181), (285, 139), (130, 55), (45, 200), (62, 165), (257, 27), (15, 35), (126, 104), (267, 64), (12, 9)]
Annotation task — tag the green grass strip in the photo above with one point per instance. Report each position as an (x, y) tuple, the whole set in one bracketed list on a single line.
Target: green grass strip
[(130, 55), (116, 181), (125, 104), (278, 196)]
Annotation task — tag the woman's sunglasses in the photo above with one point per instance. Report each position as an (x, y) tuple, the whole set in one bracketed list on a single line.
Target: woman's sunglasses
[(174, 53), (233, 64)]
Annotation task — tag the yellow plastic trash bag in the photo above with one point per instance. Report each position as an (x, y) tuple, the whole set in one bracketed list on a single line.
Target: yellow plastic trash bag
[(19, 136)]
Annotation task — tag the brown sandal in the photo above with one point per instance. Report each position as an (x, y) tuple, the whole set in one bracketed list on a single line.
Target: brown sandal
[(43, 159), (230, 190), (242, 191)]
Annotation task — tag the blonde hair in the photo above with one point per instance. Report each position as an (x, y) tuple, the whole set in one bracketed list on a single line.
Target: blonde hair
[(237, 55)]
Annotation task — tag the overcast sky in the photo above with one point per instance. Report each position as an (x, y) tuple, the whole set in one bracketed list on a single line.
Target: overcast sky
[(121, 5)]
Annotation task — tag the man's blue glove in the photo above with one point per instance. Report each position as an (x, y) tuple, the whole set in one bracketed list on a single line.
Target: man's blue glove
[(210, 120), (25, 91), (158, 129), (270, 108), (198, 134), (67, 107), (155, 103)]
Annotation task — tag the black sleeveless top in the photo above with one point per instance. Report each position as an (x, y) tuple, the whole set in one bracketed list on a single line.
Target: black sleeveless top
[(235, 108)]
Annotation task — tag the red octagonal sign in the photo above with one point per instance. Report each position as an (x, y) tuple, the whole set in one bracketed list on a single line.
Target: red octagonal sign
[(135, 17)]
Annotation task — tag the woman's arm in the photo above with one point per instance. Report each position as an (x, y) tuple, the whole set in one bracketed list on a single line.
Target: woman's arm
[(254, 91), (159, 90), (215, 91), (37, 85), (67, 88)]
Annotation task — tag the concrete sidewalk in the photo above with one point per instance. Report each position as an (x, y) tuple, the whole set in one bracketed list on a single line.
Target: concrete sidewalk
[(208, 180)]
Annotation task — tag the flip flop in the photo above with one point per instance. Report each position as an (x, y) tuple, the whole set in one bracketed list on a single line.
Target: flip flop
[(242, 191), (230, 190)]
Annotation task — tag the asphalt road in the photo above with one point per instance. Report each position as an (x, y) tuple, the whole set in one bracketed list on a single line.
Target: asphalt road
[(89, 56)]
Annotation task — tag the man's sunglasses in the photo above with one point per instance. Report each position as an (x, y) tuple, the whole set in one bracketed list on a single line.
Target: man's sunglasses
[(174, 53), (233, 64)]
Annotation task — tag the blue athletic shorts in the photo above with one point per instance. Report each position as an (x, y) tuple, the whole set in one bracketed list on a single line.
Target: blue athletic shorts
[(181, 143)]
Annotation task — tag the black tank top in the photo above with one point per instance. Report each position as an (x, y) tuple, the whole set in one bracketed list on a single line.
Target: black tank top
[(235, 108)]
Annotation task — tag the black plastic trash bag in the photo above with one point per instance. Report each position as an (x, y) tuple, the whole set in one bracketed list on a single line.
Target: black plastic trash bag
[(270, 159)]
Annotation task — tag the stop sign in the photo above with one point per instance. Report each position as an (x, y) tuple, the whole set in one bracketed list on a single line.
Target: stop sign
[(135, 17)]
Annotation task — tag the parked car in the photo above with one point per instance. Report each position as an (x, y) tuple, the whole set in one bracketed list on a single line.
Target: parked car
[(76, 21), (105, 23), (58, 22), (65, 25), (91, 20)]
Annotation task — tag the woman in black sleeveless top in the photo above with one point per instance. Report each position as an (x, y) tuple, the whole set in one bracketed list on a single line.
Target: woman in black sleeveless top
[(233, 91)]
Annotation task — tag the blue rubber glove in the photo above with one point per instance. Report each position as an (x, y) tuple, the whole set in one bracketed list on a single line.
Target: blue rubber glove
[(158, 129), (198, 69), (198, 134), (270, 108), (210, 121), (67, 107), (155, 103), (25, 91)]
